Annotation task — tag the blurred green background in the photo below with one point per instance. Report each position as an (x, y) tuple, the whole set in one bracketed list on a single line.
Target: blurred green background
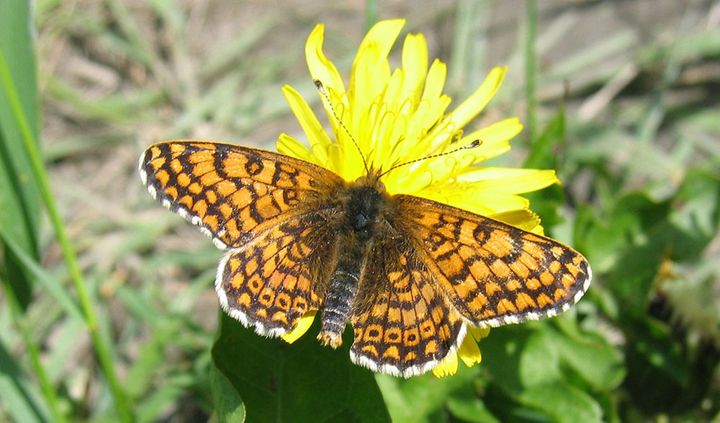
[(107, 310)]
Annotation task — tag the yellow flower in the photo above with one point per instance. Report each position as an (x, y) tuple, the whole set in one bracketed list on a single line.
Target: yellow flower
[(400, 115)]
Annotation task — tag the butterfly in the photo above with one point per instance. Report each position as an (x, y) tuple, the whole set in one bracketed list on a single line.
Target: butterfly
[(408, 273)]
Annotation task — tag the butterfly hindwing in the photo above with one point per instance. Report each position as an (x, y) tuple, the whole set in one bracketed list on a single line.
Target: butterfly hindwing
[(494, 273), (233, 193), (402, 324), (270, 282)]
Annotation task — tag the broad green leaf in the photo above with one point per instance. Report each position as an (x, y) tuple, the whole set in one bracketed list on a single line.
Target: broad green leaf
[(300, 382), (502, 352), (592, 357), (423, 398), (467, 405), (540, 361), (696, 213), (563, 403), (228, 404)]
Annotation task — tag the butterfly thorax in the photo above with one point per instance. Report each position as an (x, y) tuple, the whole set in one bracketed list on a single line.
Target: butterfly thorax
[(365, 206)]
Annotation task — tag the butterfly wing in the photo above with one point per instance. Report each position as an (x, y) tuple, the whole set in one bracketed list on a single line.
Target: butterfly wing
[(403, 326), (270, 282), (267, 209), (494, 273), (233, 193)]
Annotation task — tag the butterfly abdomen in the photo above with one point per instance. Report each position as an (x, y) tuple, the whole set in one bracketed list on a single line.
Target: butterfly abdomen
[(362, 206)]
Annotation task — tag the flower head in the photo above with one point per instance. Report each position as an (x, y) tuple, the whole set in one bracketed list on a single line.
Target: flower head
[(401, 115)]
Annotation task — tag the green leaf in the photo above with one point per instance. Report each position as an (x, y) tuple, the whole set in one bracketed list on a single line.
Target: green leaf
[(46, 281), (300, 382), (470, 410), (502, 352), (696, 213), (19, 196), (19, 396), (466, 405), (423, 398), (627, 241), (539, 361), (597, 362), (228, 404), (562, 403)]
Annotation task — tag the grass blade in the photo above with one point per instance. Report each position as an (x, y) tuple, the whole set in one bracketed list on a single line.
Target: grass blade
[(31, 150), (19, 197)]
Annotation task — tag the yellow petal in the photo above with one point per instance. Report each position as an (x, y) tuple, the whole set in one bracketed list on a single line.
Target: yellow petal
[(309, 123), (302, 326), (414, 64), (376, 45), (321, 68), (503, 202), (508, 180), (447, 366), (483, 203), (371, 70), (478, 333), (469, 351), (289, 146), (494, 139), (474, 104), (435, 81), (523, 219)]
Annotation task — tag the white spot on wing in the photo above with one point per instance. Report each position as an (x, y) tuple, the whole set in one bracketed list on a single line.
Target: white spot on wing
[(511, 320), (141, 168)]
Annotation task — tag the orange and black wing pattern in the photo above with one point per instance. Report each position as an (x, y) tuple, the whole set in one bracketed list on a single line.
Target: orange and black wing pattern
[(233, 193), (271, 281), (403, 325), (266, 209), (493, 273)]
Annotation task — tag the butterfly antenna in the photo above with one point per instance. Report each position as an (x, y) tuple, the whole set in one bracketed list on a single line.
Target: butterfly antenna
[(473, 144), (321, 88)]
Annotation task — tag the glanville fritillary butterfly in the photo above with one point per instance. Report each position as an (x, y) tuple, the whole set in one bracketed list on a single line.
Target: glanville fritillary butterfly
[(409, 274)]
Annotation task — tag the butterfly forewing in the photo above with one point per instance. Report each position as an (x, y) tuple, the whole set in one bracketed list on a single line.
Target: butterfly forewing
[(402, 324), (233, 193), (494, 273), (267, 209)]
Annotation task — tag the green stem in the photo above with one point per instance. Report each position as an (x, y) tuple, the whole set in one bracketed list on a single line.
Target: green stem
[(531, 68), (371, 14), (101, 349)]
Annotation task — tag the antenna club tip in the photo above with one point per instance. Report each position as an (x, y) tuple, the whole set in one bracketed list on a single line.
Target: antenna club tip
[(318, 84), (474, 144)]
